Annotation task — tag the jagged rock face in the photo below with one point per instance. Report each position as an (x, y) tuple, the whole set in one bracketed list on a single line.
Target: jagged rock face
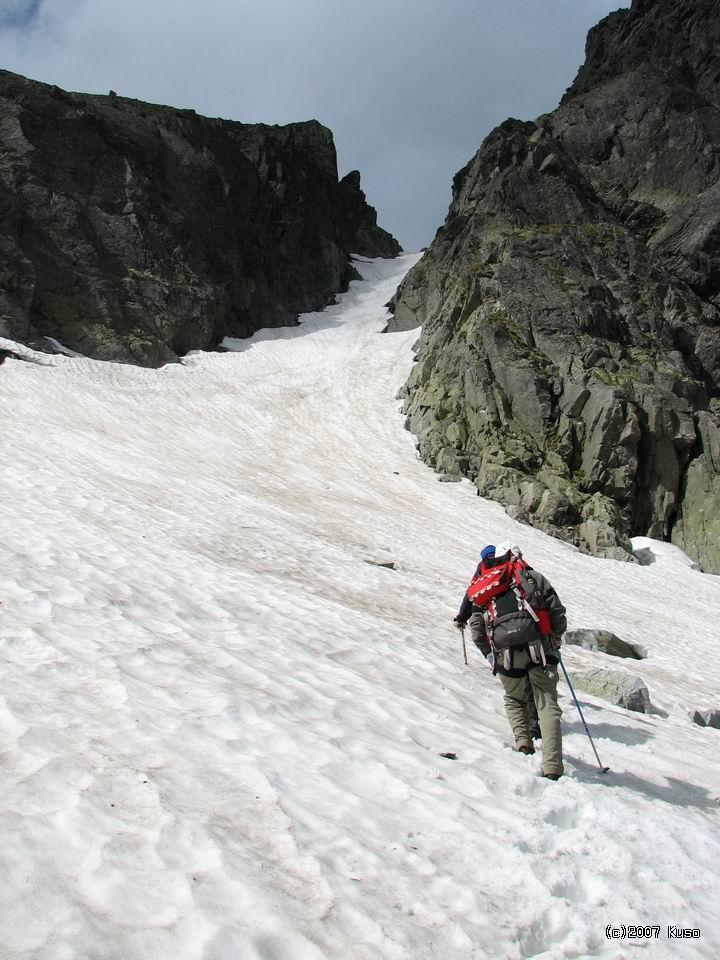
[(136, 232), (569, 361)]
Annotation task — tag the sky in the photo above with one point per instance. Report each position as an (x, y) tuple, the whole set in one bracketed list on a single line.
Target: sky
[(410, 88)]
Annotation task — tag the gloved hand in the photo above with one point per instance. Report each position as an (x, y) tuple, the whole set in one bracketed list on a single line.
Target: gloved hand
[(460, 624), (491, 660)]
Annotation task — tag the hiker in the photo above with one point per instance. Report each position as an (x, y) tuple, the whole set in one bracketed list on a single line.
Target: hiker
[(517, 621), (478, 637)]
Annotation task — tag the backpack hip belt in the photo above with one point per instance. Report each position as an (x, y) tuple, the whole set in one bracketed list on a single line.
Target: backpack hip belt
[(536, 649)]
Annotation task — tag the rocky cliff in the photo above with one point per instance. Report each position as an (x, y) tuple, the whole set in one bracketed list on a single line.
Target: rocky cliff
[(569, 361), (136, 232)]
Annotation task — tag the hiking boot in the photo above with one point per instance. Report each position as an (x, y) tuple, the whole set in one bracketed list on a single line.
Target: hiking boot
[(552, 776), (527, 748)]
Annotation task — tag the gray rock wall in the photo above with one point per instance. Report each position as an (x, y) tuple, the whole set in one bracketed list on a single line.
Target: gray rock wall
[(136, 232), (569, 361)]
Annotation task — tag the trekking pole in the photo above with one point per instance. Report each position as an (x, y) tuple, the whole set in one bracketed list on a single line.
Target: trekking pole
[(572, 691), (462, 633)]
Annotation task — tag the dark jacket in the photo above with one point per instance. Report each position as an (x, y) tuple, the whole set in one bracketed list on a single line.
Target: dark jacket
[(466, 607)]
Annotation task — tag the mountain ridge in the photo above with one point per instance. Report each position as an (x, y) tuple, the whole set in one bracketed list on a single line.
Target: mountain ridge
[(136, 232), (569, 362)]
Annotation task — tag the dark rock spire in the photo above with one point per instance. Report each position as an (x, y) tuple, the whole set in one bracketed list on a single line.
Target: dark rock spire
[(569, 362)]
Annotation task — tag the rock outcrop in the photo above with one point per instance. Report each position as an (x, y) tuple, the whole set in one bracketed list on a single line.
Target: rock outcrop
[(569, 362), (136, 232), (706, 718), (603, 641), (619, 688)]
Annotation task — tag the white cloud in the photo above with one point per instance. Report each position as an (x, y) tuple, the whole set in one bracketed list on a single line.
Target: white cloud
[(18, 13)]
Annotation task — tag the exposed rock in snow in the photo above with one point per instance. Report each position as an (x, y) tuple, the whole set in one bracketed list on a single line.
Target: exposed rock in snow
[(603, 641), (706, 718), (619, 688)]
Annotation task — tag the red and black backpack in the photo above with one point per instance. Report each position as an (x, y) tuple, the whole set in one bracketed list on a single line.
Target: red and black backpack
[(515, 612)]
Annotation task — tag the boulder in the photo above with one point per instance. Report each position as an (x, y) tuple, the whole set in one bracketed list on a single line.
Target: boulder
[(603, 641), (619, 688), (697, 527), (706, 718)]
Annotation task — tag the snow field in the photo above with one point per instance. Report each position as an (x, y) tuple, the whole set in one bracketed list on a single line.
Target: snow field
[(220, 724)]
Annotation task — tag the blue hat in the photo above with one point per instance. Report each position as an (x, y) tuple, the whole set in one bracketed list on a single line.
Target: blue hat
[(488, 551)]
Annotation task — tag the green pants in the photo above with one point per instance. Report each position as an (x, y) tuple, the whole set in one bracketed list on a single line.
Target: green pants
[(544, 685)]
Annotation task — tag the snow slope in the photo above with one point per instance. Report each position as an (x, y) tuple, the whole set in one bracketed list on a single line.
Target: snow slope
[(220, 722)]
